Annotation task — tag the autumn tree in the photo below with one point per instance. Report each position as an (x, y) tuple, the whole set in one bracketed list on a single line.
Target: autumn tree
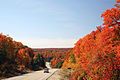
[(111, 17), (97, 54), (8, 51), (25, 58)]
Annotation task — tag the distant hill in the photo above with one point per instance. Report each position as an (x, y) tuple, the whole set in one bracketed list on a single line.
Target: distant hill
[(54, 55)]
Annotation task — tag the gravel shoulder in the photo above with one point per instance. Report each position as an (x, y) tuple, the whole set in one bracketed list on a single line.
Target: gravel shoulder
[(60, 74)]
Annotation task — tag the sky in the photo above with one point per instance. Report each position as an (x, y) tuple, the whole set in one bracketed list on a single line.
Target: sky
[(51, 23)]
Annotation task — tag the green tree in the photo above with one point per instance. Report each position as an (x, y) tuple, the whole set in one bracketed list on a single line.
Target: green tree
[(72, 58), (59, 64)]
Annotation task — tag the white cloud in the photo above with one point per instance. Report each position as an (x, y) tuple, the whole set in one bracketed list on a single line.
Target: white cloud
[(49, 43)]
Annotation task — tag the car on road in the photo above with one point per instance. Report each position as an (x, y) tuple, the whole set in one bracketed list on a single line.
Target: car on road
[(46, 70)]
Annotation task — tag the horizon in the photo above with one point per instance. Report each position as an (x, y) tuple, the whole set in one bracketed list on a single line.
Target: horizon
[(51, 23)]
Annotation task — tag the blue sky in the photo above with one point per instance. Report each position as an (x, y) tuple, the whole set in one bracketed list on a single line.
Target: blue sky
[(51, 23)]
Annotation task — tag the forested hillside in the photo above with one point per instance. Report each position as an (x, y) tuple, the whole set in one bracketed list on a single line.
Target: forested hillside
[(97, 55), (16, 58), (55, 56)]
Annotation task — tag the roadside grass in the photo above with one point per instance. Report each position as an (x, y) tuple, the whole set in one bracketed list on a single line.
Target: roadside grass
[(65, 74)]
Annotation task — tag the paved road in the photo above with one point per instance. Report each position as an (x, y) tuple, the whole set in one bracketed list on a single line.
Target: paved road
[(37, 75)]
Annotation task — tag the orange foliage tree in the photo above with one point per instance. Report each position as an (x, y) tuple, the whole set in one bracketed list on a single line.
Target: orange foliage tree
[(25, 57), (12, 55), (98, 53)]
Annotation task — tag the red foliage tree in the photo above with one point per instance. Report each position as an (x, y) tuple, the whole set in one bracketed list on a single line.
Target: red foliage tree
[(25, 57), (118, 1), (98, 53), (111, 17)]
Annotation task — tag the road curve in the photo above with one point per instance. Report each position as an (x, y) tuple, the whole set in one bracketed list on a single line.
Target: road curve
[(37, 75)]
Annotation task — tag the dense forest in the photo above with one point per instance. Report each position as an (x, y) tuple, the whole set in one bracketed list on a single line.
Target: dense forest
[(55, 56), (97, 55), (16, 58)]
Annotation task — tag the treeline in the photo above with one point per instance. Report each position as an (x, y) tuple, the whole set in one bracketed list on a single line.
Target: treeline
[(55, 56), (16, 58), (97, 55)]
